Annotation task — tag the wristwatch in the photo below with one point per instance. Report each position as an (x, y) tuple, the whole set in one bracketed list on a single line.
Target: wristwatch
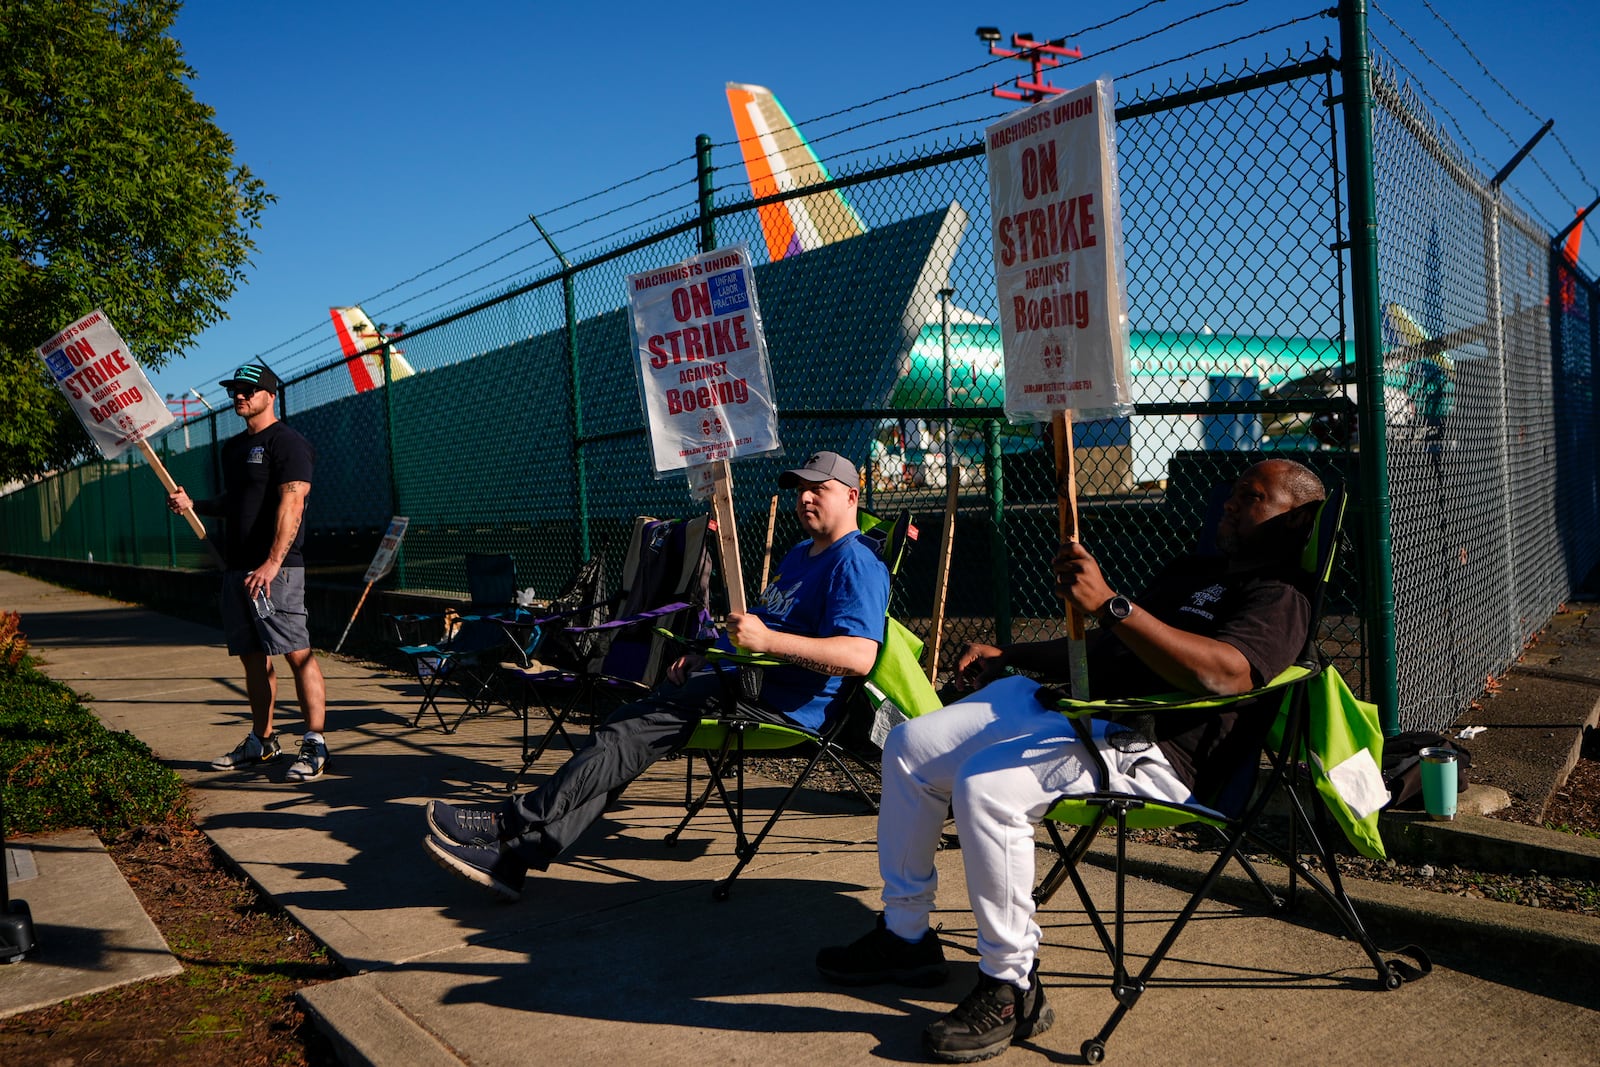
[(1116, 609)]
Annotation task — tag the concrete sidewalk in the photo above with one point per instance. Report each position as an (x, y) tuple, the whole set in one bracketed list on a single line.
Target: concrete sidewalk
[(622, 954)]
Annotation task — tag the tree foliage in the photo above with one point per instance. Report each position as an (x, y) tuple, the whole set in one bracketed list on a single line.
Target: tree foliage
[(117, 190)]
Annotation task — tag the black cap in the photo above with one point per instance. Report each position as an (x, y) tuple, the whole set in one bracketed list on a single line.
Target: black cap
[(820, 468), (258, 375)]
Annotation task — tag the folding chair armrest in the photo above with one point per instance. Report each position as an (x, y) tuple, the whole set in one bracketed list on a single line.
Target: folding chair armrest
[(1174, 701), (706, 647), (630, 620), (743, 659), (408, 626)]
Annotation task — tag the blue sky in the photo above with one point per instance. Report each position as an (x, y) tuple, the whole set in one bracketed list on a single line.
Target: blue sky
[(399, 135)]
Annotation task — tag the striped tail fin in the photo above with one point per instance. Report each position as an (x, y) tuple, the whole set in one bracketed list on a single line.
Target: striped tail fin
[(358, 340), (777, 159)]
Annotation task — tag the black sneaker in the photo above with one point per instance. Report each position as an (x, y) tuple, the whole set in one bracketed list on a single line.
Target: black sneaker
[(488, 865), (989, 1019), (463, 825), (249, 752), (881, 956)]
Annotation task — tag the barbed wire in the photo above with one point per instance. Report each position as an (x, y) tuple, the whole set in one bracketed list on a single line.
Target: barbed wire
[(1224, 44), (985, 91), (1451, 30), (1483, 109), (1462, 142)]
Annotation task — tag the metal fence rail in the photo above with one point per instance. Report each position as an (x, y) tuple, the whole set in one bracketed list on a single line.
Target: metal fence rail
[(521, 429)]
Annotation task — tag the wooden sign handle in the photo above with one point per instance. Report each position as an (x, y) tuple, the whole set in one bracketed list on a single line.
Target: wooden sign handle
[(160, 468), (1067, 501), (941, 578), (728, 537), (766, 559)]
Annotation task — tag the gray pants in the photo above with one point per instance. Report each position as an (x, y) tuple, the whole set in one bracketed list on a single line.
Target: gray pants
[(546, 821)]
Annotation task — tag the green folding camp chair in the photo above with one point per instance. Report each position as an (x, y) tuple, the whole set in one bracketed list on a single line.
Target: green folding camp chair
[(1321, 732), (725, 742)]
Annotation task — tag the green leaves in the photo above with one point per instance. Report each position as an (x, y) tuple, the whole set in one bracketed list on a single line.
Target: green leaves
[(60, 768), (117, 190)]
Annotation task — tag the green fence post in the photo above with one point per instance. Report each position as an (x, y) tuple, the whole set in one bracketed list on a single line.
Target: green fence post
[(1355, 71), (388, 429), (708, 224), (133, 513), (105, 508), (580, 474), (994, 484)]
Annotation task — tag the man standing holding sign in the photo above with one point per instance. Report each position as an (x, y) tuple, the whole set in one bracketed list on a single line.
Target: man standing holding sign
[(266, 478)]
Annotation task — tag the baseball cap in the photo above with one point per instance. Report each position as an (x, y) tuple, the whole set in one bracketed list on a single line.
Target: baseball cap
[(820, 468), (258, 375)]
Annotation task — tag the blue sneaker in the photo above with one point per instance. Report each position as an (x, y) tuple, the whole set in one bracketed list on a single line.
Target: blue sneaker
[(464, 825), (490, 866)]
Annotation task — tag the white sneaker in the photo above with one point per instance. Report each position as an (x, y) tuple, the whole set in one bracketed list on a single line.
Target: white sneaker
[(311, 762), (249, 752)]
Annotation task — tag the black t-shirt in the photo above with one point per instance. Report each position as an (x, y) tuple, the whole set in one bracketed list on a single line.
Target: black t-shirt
[(254, 465), (1260, 611)]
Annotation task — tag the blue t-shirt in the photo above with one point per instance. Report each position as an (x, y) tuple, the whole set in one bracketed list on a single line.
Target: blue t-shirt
[(843, 590)]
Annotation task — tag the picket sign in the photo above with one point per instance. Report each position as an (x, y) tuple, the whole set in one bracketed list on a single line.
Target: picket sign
[(382, 563), (108, 391), (705, 383), (1057, 243)]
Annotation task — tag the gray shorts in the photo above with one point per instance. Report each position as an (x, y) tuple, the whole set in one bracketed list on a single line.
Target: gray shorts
[(250, 627)]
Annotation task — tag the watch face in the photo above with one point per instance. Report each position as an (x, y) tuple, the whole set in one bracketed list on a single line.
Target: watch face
[(1119, 607)]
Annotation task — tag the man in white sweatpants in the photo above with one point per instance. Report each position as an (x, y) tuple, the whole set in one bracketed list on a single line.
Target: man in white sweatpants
[(1000, 758)]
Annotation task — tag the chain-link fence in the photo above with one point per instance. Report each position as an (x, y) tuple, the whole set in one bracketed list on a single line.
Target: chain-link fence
[(521, 428)]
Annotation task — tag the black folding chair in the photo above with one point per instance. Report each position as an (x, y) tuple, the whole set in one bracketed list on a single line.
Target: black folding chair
[(464, 659), (665, 586)]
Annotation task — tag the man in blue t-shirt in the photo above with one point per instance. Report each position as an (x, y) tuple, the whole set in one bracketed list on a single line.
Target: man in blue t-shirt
[(823, 615)]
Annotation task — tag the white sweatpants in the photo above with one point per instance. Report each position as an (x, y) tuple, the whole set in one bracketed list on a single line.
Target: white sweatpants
[(1000, 758)]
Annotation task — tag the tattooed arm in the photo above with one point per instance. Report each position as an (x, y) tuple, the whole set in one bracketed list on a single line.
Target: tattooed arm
[(291, 507), (843, 654)]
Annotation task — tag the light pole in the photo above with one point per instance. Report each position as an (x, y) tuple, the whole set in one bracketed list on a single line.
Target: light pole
[(944, 344)]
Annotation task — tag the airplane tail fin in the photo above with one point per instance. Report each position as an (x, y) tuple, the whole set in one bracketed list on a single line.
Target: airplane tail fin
[(358, 339), (777, 159), (1400, 330)]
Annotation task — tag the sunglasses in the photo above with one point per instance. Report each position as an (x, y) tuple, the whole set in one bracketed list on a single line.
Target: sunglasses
[(246, 391)]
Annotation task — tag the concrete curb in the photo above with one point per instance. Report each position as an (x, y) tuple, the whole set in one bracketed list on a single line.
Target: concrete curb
[(1452, 930), (370, 1030), (1485, 844)]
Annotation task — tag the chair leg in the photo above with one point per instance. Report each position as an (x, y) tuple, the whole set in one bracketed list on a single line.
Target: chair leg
[(837, 754), (431, 684), (748, 850), (715, 766)]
